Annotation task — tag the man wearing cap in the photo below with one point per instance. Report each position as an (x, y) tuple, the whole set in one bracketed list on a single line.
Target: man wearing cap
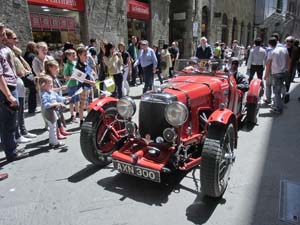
[(147, 59), (256, 60)]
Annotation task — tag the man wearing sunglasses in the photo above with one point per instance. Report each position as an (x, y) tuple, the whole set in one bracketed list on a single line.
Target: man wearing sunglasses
[(8, 101)]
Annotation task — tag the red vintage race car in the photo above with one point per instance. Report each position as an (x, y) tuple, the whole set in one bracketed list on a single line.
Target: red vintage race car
[(190, 120)]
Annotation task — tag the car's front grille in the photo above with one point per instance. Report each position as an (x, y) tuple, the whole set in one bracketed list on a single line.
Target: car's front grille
[(151, 119)]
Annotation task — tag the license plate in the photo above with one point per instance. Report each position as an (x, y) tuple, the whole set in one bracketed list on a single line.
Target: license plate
[(137, 171)]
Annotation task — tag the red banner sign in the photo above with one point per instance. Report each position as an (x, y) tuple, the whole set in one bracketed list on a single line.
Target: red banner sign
[(49, 22), (77, 5), (138, 10), (35, 21)]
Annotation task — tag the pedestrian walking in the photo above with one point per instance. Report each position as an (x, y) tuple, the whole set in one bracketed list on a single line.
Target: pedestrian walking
[(133, 51), (166, 62), (127, 68), (51, 102), (89, 82), (114, 62), (277, 65), (174, 51), (28, 79), (148, 61), (8, 103), (256, 60), (158, 68)]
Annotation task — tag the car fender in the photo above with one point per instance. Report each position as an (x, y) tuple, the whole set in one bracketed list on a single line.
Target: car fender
[(99, 103), (255, 91), (218, 121), (221, 116)]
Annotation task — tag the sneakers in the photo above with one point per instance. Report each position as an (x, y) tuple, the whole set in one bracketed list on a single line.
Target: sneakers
[(29, 135), (22, 140)]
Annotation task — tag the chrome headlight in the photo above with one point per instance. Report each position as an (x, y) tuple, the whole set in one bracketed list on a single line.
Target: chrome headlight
[(176, 114), (126, 107)]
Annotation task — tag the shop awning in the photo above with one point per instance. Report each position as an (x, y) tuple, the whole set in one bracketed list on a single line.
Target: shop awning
[(272, 19)]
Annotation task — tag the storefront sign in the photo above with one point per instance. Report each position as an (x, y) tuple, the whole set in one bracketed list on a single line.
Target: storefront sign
[(35, 21), (77, 5), (49, 22), (45, 22), (138, 10), (54, 20)]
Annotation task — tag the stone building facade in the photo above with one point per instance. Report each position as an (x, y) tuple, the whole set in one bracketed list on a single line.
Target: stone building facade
[(218, 20), (293, 18), (101, 19), (15, 15)]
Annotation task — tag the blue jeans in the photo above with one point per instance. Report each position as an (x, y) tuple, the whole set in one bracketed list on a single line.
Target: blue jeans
[(277, 82), (8, 120)]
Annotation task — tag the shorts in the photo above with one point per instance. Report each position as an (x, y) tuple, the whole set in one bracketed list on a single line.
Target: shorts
[(71, 91), (86, 97)]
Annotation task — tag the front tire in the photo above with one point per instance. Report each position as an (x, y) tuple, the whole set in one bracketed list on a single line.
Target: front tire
[(95, 141), (252, 112), (217, 160)]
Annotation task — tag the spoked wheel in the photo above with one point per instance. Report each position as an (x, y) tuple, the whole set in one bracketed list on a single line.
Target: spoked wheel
[(98, 140), (217, 160)]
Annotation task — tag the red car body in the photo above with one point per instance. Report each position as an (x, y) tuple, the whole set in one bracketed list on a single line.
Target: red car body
[(214, 107)]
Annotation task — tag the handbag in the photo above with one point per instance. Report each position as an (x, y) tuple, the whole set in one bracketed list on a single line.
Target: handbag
[(109, 83)]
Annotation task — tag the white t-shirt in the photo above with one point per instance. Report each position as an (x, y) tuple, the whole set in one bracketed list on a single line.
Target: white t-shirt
[(279, 58)]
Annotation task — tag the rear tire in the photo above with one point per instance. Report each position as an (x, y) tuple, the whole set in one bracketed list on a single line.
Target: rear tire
[(95, 152), (217, 159)]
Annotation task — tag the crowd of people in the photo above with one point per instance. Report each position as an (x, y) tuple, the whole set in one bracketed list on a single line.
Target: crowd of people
[(40, 73), (277, 64), (48, 80)]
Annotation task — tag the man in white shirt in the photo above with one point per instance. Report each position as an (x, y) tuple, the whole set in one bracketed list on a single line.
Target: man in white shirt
[(256, 60), (278, 64)]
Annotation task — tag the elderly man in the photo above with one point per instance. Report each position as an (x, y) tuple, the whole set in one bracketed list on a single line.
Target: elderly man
[(147, 59), (8, 102), (204, 50)]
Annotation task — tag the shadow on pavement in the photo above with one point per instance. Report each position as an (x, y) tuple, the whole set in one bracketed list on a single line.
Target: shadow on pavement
[(38, 131), (281, 160), (141, 190), (84, 173), (202, 208)]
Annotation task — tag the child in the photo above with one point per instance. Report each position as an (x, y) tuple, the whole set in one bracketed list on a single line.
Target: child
[(72, 85), (52, 69), (85, 96), (51, 101)]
